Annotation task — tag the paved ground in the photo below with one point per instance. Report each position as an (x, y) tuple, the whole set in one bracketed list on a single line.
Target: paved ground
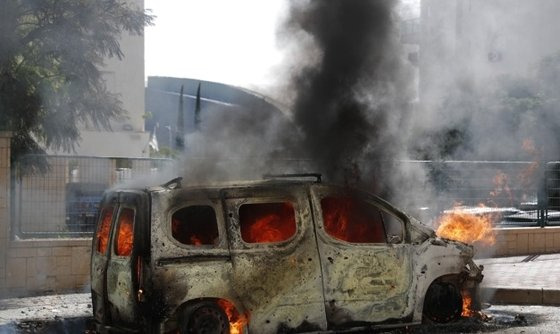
[(45, 307), (533, 280), (530, 280), (542, 271)]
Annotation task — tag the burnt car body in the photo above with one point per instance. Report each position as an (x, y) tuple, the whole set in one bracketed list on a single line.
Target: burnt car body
[(269, 256)]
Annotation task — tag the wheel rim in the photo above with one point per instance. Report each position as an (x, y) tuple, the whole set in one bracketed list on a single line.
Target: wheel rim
[(443, 303), (208, 320)]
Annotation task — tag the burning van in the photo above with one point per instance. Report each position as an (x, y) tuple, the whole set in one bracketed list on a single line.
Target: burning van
[(271, 256)]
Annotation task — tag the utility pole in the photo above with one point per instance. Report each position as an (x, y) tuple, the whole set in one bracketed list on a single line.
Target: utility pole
[(180, 136), (197, 109)]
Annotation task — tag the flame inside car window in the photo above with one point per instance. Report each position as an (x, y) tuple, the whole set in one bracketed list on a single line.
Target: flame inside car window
[(352, 220), (104, 228), (267, 222), (125, 236), (195, 225)]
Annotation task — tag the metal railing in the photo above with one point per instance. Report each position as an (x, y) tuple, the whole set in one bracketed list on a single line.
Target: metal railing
[(516, 193), (63, 202)]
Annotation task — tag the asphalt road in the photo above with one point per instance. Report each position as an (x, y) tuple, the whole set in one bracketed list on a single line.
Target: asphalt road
[(501, 319)]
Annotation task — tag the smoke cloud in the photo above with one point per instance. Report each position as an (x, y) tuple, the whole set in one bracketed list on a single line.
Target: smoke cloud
[(347, 99), (486, 69), (352, 103)]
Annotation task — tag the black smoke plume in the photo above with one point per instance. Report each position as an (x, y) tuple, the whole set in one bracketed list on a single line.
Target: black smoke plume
[(351, 103)]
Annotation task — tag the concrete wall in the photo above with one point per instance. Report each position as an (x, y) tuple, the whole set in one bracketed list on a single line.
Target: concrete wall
[(31, 267), (45, 266), (522, 241)]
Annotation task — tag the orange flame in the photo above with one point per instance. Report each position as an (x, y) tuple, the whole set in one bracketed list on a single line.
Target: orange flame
[(466, 227), (469, 310), (125, 235), (268, 222), (237, 321), (104, 228), (501, 187), (195, 241), (349, 220), (467, 305)]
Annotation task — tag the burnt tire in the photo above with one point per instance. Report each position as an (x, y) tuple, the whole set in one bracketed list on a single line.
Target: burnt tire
[(443, 303), (204, 318)]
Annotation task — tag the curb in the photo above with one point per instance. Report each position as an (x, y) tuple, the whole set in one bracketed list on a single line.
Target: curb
[(520, 296)]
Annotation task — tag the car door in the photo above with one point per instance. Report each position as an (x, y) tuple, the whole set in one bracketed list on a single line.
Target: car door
[(365, 278), (126, 253), (276, 269), (100, 255)]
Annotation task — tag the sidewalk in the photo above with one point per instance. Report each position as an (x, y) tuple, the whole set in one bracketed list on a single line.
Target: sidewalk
[(47, 308), (531, 279)]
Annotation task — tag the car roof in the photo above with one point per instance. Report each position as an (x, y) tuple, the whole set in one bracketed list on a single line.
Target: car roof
[(267, 180)]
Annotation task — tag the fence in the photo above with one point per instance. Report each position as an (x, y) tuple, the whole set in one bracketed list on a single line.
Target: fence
[(63, 201), (516, 193)]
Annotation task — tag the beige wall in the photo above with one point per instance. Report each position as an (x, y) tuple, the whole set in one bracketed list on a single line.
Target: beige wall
[(522, 241), (31, 267), (45, 266)]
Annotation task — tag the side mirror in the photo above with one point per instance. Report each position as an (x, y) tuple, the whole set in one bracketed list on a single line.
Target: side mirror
[(394, 239)]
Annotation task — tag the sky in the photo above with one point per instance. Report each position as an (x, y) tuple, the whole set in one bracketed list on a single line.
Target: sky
[(217, 40), (227, 41)]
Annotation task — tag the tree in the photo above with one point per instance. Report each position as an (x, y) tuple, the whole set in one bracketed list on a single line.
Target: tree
[(51, 55)]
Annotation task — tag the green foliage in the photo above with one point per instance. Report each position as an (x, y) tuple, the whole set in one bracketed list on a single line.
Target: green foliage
[(51, 53)]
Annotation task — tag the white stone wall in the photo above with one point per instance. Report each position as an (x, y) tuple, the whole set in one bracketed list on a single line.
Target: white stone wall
[(125, 77), (33, 267)]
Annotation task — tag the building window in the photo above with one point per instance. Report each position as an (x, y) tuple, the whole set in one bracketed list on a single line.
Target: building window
[(352, 220), (267, 222), (195, 225)]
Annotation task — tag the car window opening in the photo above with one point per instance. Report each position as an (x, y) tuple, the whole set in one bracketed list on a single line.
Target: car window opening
[(267, 222), (104, 229), (125, 235), (352, 220), (195, 225)]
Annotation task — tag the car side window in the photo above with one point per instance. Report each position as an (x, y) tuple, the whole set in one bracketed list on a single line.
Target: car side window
[(267, 222), (394, 228), (195, 225), (352, 220), (104, 228), (125, 232)]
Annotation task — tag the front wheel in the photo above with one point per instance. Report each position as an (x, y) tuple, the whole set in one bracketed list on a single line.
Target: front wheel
[(443, 302), (204, 318)]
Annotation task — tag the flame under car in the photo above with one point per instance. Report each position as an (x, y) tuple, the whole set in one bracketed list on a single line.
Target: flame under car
[(270, 256)]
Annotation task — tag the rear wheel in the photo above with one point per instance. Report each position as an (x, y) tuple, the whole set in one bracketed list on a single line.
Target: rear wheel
[(204, 318), (443, 302)]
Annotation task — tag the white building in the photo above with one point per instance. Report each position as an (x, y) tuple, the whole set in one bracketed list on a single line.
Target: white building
[(480, 40), (126, 78)]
